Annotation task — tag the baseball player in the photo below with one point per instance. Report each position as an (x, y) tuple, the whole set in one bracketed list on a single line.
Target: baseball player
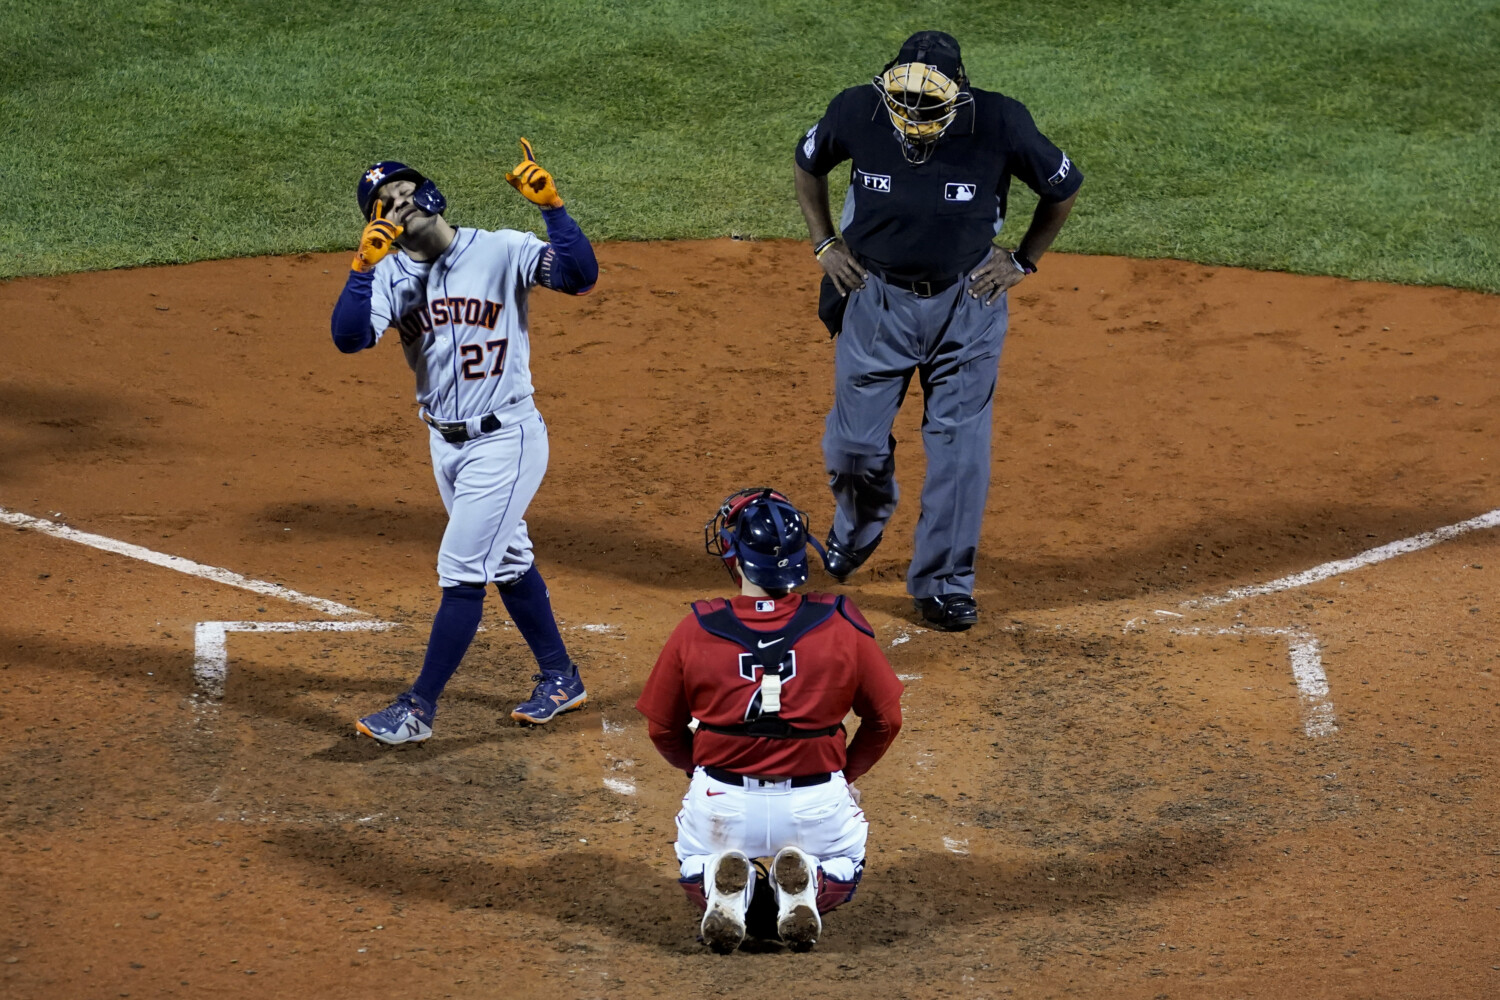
[(457, 298), (748, 697), (914, 282)]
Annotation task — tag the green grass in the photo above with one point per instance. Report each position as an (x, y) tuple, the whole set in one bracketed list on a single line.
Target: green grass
[(1353, 137)]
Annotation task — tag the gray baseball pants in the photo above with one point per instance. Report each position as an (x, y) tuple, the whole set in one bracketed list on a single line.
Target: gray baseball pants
[(952, 342)]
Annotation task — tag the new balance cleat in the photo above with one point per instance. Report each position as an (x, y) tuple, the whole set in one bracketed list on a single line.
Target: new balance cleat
[(407, 720), (726, 876), (795, 879), (554, 695)]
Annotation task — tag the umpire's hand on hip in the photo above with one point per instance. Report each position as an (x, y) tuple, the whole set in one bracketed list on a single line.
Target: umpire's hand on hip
[(991, 279), (839, 264)]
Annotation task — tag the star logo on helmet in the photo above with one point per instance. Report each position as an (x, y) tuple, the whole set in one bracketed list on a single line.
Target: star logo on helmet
[(375, 175)]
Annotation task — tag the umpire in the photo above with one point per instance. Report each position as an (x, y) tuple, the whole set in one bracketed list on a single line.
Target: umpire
[(915, 283)]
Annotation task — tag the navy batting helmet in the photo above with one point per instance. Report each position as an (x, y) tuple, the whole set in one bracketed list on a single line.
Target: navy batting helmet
[(757, 532), (427, 197)]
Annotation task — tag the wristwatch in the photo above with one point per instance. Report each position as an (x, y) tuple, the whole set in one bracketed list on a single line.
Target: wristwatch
[(1022, 262)]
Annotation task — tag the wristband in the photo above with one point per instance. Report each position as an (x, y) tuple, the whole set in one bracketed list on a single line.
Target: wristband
[(822, 248), (1022, 262)]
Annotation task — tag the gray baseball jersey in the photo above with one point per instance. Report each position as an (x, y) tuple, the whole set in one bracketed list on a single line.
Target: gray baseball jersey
[(462, 320)]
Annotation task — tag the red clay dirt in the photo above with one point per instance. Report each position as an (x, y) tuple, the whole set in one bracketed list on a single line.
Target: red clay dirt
[(1092, 796)]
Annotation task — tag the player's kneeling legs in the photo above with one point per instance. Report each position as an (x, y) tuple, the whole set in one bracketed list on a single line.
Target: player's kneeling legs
[(838, 878), (794, 879), (729, 880)]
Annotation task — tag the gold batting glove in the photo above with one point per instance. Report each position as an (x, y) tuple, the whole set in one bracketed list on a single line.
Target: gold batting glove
[(376, 241), (532, 180)]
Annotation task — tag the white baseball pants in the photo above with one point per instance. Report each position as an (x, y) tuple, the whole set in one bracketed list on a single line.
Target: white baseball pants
[(760, 819)]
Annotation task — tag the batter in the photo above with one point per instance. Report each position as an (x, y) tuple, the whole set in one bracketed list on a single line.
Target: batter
[(769, 676), (917, 287), (457, 298)]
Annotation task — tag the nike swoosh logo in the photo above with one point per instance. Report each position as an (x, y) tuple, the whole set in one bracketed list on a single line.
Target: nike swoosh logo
[(718, 793), (773, 642)]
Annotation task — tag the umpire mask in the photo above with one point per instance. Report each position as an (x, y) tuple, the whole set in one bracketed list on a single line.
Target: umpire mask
[(923, 89)]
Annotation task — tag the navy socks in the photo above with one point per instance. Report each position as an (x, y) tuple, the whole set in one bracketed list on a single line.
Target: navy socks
[(458, 618), (453, 628), (530, 608)]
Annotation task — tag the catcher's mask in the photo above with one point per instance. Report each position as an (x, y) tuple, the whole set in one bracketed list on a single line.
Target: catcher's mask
[(427, 196), (758, 533), (923, 89)]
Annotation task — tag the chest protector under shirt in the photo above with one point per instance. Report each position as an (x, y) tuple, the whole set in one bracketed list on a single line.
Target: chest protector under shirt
[(772, 656)]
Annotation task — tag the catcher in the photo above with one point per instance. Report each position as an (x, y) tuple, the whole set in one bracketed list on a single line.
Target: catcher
[(770, 835)]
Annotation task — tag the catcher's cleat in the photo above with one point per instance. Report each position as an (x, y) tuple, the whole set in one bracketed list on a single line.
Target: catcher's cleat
[(949, 612), (840, 560), (554, 695), (796, 881), (406, 720), (727, 876)]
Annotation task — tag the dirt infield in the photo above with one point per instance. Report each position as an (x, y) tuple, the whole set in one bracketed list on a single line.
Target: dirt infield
[(1127, 781)]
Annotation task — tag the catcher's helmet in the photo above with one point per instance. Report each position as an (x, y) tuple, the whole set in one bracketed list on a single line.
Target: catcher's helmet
[(427, 196), (923, 89), (759, 533)]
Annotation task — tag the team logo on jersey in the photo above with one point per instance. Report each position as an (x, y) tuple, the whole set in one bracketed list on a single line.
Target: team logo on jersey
[(876, 182), (1062, 172), (960, 192), (457, 310), (810, 142), (788, 667), (785, 671)]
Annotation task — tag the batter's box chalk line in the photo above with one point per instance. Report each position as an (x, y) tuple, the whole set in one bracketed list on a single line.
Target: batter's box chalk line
[(1306, 655), (177, 563), (1303, 648), (211, 646), (210, 656)]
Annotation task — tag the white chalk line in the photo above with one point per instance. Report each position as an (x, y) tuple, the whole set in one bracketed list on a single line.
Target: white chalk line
[(1391, 550), (1305, 653), (613, 782), (1303, 648), (211, 649), (620, 786), (181, 565)]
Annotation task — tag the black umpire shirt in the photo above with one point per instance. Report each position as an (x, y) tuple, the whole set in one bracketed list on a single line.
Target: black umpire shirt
[(937, 219)]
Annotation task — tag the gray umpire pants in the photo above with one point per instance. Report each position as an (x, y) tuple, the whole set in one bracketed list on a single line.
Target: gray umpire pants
[(952, 342)]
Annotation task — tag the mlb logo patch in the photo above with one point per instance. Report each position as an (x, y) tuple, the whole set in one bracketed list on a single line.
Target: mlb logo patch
[(960, 192), (876, 182), (810, 143), (765, 605)]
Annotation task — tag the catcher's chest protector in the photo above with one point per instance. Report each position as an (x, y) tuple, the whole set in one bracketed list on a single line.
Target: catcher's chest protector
[(770, 651)]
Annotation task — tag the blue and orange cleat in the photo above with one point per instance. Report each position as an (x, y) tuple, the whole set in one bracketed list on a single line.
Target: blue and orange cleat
[(406, 720), (555, 694)]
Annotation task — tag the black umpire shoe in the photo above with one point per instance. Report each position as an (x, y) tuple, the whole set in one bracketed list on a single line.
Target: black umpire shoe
[(949, 612), (841, 560)]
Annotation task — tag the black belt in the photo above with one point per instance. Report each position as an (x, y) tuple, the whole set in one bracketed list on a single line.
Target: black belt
[(457, 431), (730, 778), (922, 289)]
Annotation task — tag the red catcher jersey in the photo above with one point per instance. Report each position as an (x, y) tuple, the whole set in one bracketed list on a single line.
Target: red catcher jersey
[(837, 667)]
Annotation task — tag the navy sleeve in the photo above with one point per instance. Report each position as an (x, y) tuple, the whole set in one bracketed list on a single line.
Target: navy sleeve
[(568, 263), (1035, 160), (351, 314), (822, 149)]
